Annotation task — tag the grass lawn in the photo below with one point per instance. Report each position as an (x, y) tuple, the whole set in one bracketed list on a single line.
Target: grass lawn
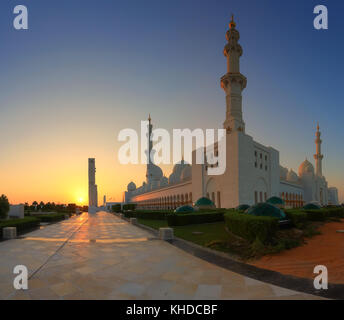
[(155, 224), (208, 235)]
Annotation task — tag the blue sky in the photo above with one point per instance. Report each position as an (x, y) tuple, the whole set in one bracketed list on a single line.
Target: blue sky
[(87, 68)]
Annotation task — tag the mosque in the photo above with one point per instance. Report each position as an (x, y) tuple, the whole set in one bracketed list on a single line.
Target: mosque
[(253, 171)]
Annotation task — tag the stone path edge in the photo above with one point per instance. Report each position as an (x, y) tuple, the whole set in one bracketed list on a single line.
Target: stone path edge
[(221, 259)]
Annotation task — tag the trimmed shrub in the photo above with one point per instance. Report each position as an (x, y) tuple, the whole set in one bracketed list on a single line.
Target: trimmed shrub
[(174, 219), (316, 215), (4, 207), (129, 206), (184, 209), (252, 227), (148, 214), (116, 208), (311, 206), (335, 212), (298, 219), (21, 224), (54, 217)]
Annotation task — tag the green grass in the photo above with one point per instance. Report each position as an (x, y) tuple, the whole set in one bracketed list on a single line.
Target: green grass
[(214, 236), (155, 224), (206, 233)]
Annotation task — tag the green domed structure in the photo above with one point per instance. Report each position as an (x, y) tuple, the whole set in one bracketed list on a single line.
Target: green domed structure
[(242, 207), (266, 210), (184, 209), (311, 206), (204, 203), (276, 201)]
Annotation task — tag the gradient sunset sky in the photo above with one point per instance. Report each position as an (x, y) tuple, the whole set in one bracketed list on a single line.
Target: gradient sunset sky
[(86, 69)]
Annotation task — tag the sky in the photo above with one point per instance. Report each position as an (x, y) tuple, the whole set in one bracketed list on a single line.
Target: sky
[(85, 69)]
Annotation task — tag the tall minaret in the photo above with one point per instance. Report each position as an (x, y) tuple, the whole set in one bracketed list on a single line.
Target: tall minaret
[(233, 82), (92, 187), (318, 156), (149, 150)]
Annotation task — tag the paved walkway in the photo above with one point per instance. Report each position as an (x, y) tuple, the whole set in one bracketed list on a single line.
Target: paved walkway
[(102, 257)]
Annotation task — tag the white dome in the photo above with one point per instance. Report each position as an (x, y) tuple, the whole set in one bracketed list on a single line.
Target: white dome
[(186, 173), (172, 179), (306, 168), (292, 176), (154, 173), (177, 170), (131, 187), (163, 182), (283, 173)]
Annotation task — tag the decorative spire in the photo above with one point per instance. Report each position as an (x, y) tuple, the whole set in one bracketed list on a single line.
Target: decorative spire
[(318, 156), (233, 82), (232, 24), (149, 118)]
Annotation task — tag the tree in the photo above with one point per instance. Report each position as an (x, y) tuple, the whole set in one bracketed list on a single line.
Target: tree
[(4, 207)]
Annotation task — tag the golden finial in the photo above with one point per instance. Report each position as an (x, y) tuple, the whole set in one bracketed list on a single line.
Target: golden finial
[(232, 23), (149, 118)]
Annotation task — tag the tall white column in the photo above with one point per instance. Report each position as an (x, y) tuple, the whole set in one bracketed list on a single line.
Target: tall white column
[(233, 82), (92, 187), (318, 156)]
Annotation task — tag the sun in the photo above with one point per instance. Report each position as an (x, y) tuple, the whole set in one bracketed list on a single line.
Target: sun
[(81, 200)]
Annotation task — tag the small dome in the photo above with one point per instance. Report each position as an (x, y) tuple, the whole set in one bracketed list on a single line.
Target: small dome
[(186, 173), (154, 173), (306, 168), (242, 207), (172, 179), (204, 203), (163, 182), (283, 173), (311, 206), (292, 176), (131, 187), (184, 209), (275, 201), (266, 210)]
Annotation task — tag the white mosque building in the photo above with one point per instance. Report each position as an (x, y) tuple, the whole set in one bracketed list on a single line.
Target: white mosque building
[(253, 171)]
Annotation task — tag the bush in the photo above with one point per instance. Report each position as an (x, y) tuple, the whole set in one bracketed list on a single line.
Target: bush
[(116, 208), (316, 215), (334, 212), (54, 217), (298, 218), (194, 218), (4, 207), (129, 206), (21, 224), (148, 214), (251, 227)]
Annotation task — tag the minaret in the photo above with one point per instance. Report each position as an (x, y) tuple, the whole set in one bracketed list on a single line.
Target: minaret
[(318, 156), (92, 187), (150, 147), (233, 82)]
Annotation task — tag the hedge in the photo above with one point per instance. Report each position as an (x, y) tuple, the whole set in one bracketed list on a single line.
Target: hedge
[(194, 218), (148, 214), (335, 212), (298, 219), (116, 208), (21, 224), (316, 215), (54, 217), (252, 227), (129, 206)]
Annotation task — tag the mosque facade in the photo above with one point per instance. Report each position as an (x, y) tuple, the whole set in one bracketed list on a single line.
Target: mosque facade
[(253, 171)]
